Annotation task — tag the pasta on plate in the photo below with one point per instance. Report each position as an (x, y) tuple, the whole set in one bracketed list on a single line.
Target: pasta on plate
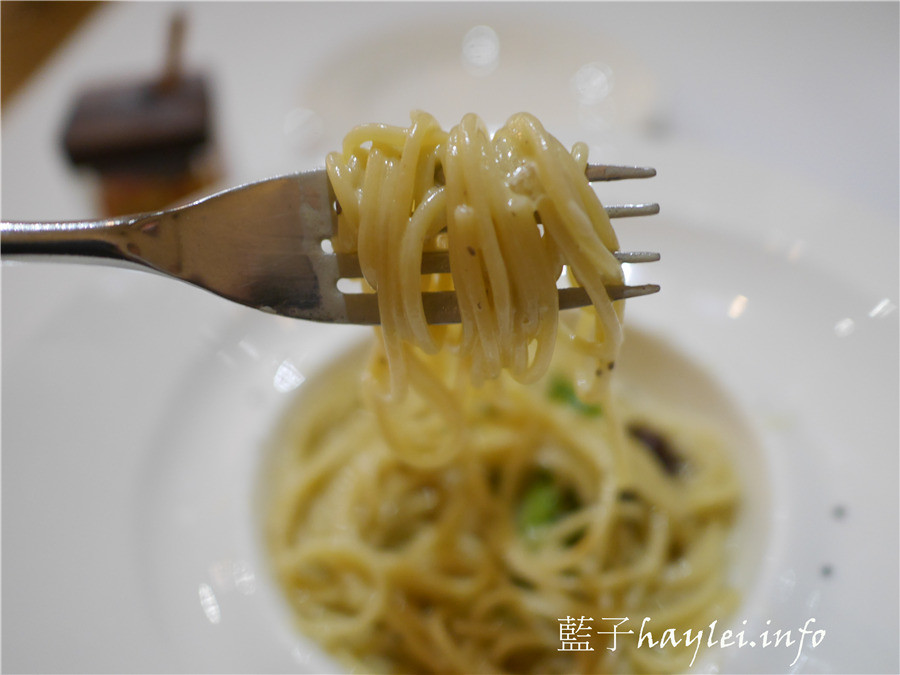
[(467, 496)]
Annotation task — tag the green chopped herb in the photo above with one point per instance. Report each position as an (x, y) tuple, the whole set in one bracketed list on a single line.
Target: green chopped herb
[(543, 503), (539, 506), (562, 391)]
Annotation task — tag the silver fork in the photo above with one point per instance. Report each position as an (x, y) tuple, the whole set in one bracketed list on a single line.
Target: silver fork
[(261, 245)]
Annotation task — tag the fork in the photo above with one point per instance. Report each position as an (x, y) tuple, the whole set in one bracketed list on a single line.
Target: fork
[(267, 245)]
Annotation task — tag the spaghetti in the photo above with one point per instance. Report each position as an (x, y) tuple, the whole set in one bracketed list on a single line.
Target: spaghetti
[(510, 210), (447, 519)]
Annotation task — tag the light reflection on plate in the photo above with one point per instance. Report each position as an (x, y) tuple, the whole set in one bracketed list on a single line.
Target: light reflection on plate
[(508, 64)]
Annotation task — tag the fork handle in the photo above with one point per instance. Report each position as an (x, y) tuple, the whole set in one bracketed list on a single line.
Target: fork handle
[(109, 239), (92, 238)]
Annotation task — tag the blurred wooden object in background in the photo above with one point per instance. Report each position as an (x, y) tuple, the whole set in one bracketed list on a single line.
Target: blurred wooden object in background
[(147, 139), (29, 33)]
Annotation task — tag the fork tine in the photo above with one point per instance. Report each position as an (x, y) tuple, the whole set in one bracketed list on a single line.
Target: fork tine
[(606, 172), (610, 172), (636, 256), (441, 306), (631, 210), (438, 262)]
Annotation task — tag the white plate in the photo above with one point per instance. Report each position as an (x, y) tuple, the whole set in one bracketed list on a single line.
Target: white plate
[(136, 411), (142, 529)]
